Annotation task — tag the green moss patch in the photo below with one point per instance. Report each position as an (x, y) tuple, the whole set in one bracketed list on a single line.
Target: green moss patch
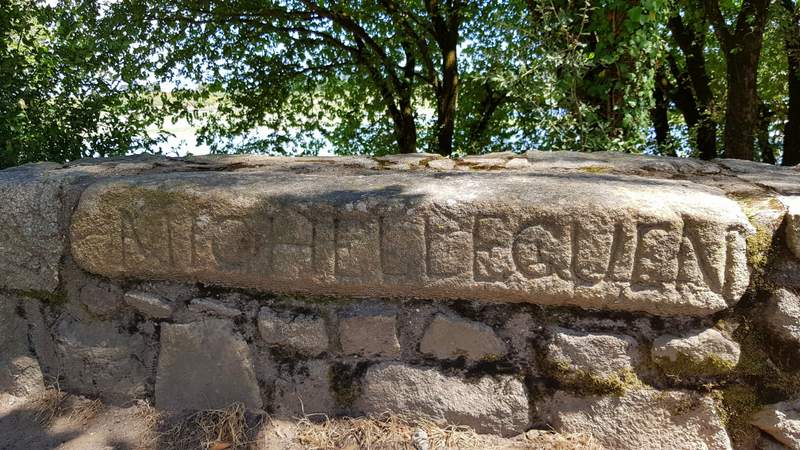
[(760, 243), (595, 169), (53, 298), (683, 365), (345, 382), (585, 382)]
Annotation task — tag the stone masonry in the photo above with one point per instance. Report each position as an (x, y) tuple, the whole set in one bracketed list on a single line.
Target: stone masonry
[(650, 302)]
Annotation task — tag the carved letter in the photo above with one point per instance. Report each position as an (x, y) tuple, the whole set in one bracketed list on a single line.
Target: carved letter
[(493, 259), (542, 250), (657, 253), (358, 249), (402, 247), (449, 246)]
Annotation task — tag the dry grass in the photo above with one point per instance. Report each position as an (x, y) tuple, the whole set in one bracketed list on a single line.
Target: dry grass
[(84, 410), (147, 414), (53, 403), (390, 432), (48, 405), (227, 428), (217, 429), (150, 420), (548, 440), (384, 432)]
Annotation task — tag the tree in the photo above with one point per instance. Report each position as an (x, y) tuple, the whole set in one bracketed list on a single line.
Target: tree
[(693, 94), (741, 44), (791, 134), (401, 55), (607, 92), (60, 96)]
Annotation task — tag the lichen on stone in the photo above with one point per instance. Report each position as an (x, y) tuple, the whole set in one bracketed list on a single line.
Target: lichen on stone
[(683, 365), (344, 380), (735, 405), (585, 382), (595, 169), (759, 244), (53, 298)]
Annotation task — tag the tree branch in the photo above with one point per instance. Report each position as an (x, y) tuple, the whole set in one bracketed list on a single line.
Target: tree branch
[(714, 15)]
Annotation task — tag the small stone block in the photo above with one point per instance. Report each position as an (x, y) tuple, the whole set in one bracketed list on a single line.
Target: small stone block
[(149, 305), (369, 335)]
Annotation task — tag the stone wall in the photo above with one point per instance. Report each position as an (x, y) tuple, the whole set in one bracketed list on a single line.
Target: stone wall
[(650, 302)]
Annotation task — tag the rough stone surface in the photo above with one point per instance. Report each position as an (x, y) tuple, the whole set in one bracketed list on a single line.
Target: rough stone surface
[(102, 358), (31, 236), (704, 352), (149, 305), (213, 307), (497, 405), (373, 335), (343, 227), (792, 223), (100, 298), (640, 419), (245, 238), (36, 200), (781, 421), (302, 333), (597, 354), (450, 338), (204, 365), (782, 315), (306, 392), (20, 373)]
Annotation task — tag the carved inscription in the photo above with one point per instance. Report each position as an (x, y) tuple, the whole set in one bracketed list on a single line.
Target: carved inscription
[(288, 245), (598, 258)]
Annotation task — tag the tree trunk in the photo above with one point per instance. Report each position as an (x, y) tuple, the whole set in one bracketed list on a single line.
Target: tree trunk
[(691, 43), (741, 44), (405, 129), (764, 147), (706, 136), (447, 98), (405, 123), (791, 133), (659, 114), (741, 115), (488, 106)]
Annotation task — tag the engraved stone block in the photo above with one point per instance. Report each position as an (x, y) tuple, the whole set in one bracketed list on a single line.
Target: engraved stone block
[(500, 237)]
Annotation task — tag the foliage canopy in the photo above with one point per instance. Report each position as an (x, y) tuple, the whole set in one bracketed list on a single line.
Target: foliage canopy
[(707, 79)]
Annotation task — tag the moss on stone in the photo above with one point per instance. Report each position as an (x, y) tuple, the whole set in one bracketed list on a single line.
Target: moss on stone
[(53, 298), (757, 381), (758, 246), (492, 358), (345, 383), (679, 405), (760, 243), (585, 382), (595, 169), (735, 405), (683, 365)]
